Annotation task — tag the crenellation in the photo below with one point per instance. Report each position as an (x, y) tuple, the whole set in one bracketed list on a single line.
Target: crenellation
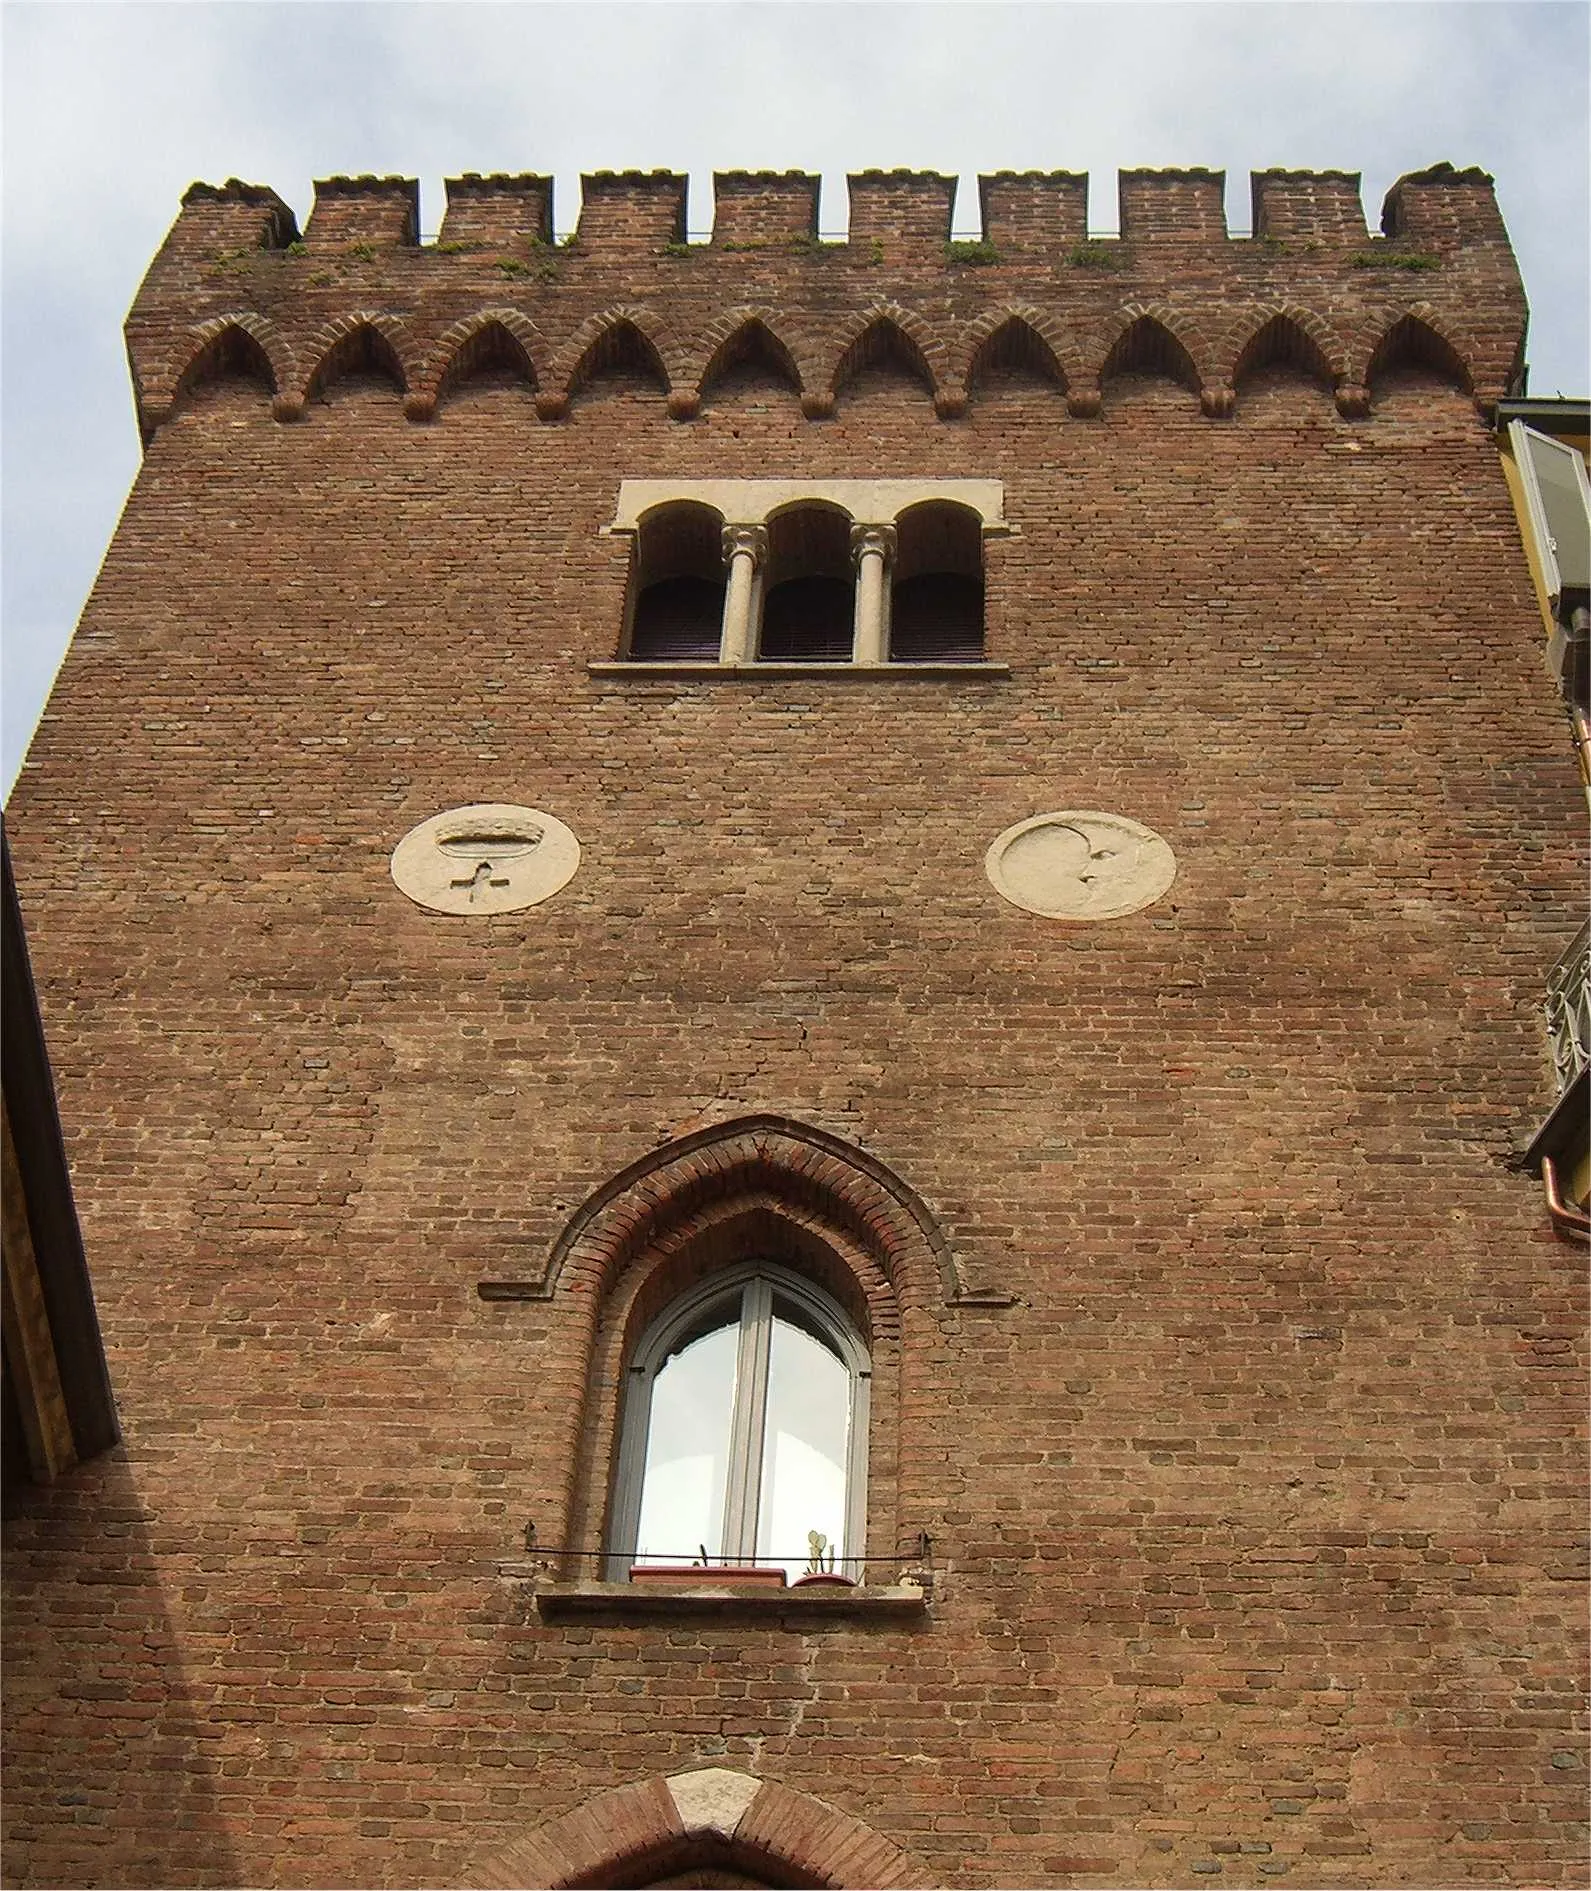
[(903, 217), (758, 209), (1024, 211), (1308, 206), (496, 212), (629, 213), (1444, 208), (233, 215), (1173, 206), (230, 259), (383, 212)]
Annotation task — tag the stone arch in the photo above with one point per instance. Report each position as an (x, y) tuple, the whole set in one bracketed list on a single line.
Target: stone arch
[(382, 341), (1157, 339), (886, 329), (625, 328), (496, 333), (726, 338), (1419, 336), (1031, 334), (1286, 335), (711, 1817)]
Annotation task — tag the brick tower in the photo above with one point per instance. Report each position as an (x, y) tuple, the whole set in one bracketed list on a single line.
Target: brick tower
[(793, 986)]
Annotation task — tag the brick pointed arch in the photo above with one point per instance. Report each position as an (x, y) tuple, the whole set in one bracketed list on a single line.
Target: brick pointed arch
[(202, 346), (1048, 340), (636, 1834), (753, 1155), (330, 346), (1140, 327), (918, 341), (448, 361), (719, 339), (1442, 343), (573, 363), (1312, 337)]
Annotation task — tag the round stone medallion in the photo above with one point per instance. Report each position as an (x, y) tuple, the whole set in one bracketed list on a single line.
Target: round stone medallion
[(1080, 864), (487, 858)]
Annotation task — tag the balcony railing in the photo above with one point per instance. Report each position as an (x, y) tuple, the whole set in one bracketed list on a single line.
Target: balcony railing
[(1569, 1009)]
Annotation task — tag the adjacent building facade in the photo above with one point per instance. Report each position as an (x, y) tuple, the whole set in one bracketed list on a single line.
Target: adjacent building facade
[(798, 992)]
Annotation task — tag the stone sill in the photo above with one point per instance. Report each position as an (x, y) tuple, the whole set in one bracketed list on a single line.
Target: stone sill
[(770, 1607), (775, 672)]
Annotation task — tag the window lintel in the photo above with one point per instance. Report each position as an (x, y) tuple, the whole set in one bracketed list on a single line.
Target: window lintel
[(755, 501)]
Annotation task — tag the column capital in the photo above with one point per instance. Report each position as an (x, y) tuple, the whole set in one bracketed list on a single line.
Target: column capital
[(872, 538), (751, 540)]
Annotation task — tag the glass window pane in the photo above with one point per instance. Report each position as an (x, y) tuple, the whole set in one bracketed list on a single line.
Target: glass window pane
[(806, 1440), (687, 1445)]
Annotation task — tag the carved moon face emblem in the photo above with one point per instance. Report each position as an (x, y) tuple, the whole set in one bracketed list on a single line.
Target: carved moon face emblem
[(1080, 864), (489, 858)]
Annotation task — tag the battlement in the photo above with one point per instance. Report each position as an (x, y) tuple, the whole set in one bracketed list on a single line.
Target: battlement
[(235, 289)]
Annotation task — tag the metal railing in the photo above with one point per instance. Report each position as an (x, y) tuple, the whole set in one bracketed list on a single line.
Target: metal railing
[(1569, 1009)]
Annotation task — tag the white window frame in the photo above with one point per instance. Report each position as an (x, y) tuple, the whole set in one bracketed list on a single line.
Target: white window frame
[(755, 1283), (1531, 450)]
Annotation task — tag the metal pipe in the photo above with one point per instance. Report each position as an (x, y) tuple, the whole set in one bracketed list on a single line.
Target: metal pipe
[(1566, 1218)]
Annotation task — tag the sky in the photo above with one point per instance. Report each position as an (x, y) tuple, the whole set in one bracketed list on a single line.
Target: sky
[(111, 108)]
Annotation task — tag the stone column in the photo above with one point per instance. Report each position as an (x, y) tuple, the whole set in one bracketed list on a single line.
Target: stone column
[(745, 548), (872, 553)]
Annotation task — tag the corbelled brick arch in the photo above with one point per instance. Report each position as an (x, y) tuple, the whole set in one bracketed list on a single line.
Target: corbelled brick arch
[(747, 328), (240, 341), (1281, 334), (497, 333), (887, 328), (333, 349), (1418, 335), (623, 327), (712, 1820), (1157, 338), (1030, 336)]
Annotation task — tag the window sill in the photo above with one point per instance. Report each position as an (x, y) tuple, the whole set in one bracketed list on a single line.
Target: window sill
[(636, 1602), (775, 672)]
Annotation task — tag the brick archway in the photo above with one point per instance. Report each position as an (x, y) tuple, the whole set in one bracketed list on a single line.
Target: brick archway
[(711, 1821)]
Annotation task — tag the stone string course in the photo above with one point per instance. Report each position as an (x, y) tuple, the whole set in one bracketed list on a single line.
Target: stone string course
[(1229, 1382)]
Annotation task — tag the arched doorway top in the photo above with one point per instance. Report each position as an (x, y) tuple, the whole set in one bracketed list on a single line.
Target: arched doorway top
[(713, 1819)]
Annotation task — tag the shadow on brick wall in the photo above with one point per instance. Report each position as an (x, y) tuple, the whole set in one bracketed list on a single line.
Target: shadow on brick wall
[(111, 1763)]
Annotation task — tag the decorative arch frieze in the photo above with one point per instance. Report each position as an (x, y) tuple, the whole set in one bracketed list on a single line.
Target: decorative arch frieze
[(595, 339), (887, 327), (727, 335), (1036, 336), (710, 1818), (203, 352), (335, 345), (453, 357), (1155, 338), (1418, 335), (1282, 334)]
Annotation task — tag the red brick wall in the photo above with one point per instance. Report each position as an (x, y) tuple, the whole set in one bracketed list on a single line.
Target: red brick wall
[(1253, 1518)]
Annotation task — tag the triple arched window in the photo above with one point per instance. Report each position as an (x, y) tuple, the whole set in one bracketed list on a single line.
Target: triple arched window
[(841, 571), (744, 1430)]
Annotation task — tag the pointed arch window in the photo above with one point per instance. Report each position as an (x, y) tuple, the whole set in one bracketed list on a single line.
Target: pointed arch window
[(745, 1430)]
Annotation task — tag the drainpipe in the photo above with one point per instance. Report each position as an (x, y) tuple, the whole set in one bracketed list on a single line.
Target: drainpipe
[(1566, 1218)]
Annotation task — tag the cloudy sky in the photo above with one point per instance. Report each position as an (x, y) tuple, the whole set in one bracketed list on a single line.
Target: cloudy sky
[(111, 110)]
